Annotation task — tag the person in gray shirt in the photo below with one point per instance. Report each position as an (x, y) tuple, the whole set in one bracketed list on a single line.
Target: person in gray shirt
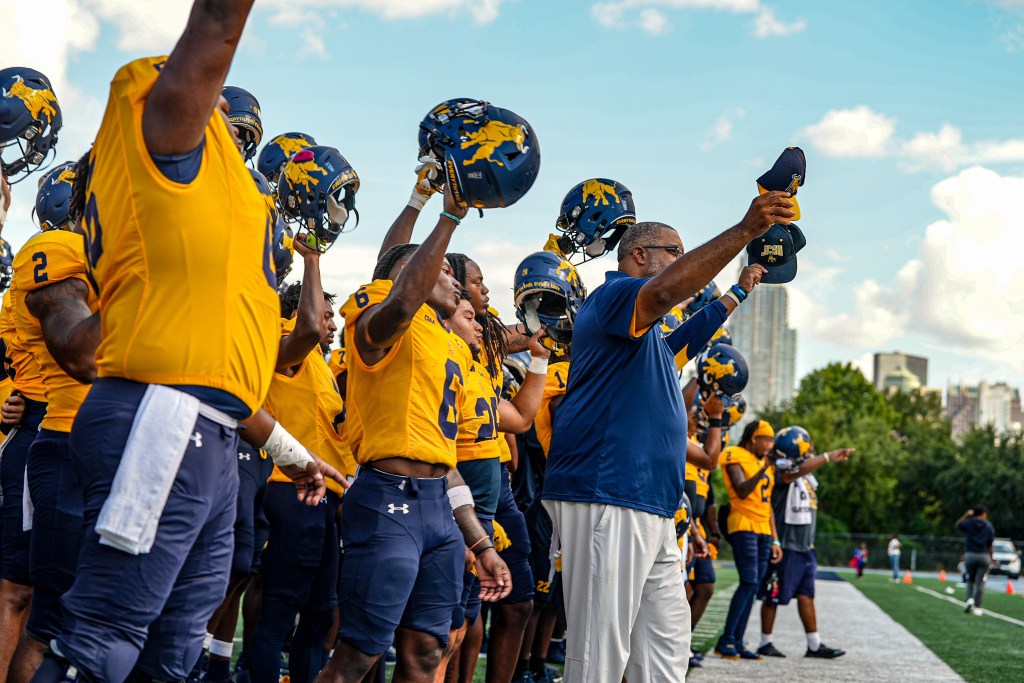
[(977, 554), (795, 502)]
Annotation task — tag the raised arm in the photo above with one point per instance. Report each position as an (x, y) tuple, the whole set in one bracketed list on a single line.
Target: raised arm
[(811, 464), (71, 331), (294, 347), (517, 415), (186, 93), (381, 326), (696, 268)]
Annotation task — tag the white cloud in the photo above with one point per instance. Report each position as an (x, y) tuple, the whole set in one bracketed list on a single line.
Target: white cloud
[(648, 15), (861, 132), (722, 129), (857, 132), (482, 11), (958, 290), (767, 25)]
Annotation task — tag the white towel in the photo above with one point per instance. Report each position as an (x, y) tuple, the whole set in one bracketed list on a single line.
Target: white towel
[(27, 508), (801, 501), (164, 424)]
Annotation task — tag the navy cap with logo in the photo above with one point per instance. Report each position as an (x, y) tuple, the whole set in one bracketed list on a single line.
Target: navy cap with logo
[(776, 251), (787, 175)]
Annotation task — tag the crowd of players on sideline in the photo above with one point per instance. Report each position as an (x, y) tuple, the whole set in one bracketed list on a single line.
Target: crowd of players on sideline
[(146, 526)]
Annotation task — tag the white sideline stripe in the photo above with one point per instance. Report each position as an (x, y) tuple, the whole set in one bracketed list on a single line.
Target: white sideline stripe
[(960, 603)]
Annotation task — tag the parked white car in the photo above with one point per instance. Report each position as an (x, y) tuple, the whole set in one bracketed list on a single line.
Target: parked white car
[(1005, 558)]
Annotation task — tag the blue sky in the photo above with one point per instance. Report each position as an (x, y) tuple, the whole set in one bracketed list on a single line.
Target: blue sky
[(909, 114)]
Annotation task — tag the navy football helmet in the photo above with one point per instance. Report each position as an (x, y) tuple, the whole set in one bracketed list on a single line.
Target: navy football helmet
[(793, 445), (517, 364), (276, 153), (6, 264), (317, 191), (722, 369), (53, 199), (244, 115), (548, 291), (284, 252), (735, 409), (594, 215), (30, 119), (490, 155), (707, 294)]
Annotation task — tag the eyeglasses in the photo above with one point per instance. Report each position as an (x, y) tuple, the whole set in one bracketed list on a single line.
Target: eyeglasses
[(675, 249)]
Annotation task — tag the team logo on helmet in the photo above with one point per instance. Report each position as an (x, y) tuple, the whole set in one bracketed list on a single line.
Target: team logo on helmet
[(38, 102), (717, 369), (66, 175), (599, 191), (290, 145), (489, 137), (300, 171), (722, 370)]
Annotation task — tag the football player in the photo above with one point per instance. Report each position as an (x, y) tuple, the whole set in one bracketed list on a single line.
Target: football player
[(405, 387), (163, 416), (50, 296), (749, 480)]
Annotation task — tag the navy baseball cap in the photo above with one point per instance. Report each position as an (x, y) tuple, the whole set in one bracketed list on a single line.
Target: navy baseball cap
[(786, 175), (776, 250)]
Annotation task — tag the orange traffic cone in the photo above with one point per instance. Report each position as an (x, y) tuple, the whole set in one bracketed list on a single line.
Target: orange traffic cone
[(906, 578), (1010, 590), (942, 575)]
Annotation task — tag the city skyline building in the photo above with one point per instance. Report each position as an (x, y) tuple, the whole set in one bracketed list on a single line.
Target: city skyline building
[(760, 331)]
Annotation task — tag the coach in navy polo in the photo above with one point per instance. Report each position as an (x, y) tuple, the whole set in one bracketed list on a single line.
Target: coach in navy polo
[(615, 470)]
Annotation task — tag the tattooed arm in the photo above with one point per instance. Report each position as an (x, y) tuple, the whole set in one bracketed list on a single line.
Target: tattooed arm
[(70, 330)]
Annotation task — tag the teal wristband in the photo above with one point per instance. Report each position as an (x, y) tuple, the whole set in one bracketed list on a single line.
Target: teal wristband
[(776, 542), (452, 216), (739, 292)]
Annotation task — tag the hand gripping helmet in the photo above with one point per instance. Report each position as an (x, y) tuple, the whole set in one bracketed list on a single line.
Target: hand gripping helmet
[(594, 215), (490, 155), (30, 119), (244, 114), (705, 296), (276, 153), (722, 369), (317, 191), (793, 445), (53, 198), (282, 239), (6, 265), (548, 292)]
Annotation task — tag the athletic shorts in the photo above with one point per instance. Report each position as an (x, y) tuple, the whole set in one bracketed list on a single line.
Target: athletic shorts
[(546, 587), (253, 472), (702, 571), (14, 550), (796, 573)]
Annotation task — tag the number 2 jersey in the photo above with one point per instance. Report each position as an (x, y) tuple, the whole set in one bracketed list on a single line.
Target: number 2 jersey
[(408, 404), (46, 259), (752, 513)]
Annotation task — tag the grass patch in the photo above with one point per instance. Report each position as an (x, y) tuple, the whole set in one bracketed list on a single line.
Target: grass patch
[(714, 616), (981, 649)]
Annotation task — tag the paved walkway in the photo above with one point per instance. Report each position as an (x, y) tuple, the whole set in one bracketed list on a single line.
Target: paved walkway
[(878, 650)]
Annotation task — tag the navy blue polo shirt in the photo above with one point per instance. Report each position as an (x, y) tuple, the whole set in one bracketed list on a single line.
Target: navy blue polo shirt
[(619, 435)]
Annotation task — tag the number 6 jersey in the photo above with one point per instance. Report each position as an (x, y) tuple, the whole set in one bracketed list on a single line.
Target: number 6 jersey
[(408, 404)]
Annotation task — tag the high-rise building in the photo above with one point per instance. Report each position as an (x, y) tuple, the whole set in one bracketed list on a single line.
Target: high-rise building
[(885, 363), (761, 332), (996, 405)]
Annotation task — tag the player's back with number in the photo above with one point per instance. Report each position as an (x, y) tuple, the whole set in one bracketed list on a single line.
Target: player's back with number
[(752, 513)]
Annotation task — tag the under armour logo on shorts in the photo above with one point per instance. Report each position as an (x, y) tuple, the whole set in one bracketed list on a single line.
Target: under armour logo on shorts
[(242, 455), (197, 438), (403, 508)]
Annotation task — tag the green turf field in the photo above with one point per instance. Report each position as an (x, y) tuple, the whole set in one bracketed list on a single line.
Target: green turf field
[(981, 649)]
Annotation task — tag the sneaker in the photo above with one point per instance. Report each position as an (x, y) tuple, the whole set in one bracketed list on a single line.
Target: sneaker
[(968, 605), (550, 676), (698, 655), (769, 650), (694, 663), (556, 652), (525, 677), (747, 654), (977, 611), (825, 652), (727, 651)]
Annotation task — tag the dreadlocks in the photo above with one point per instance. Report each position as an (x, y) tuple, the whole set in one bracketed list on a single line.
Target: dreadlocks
[(495, 341), (76, 206), (394, 255)]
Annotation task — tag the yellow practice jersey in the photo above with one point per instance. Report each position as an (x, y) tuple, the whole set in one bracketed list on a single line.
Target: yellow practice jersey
[(698, 476), (336, 362), (558, 376), (184, 272), (46, 259), (6, 388), (478, 429), (752, 513), (309, 406), (19, 364), (407, 405)]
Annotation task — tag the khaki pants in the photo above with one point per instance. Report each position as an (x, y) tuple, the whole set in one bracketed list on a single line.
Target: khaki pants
[(625, 604)]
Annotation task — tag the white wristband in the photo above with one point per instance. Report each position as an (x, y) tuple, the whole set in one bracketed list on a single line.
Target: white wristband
[(284, 449), (538, 366), (460, 496), (417, 200), (828, 458), (732, 296), (3, 217)]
